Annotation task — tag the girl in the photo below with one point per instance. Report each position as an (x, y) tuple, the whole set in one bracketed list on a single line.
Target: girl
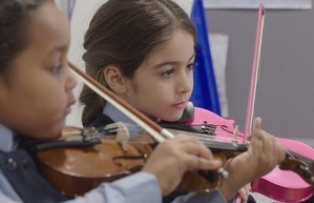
[(35, 97), (142, 50)]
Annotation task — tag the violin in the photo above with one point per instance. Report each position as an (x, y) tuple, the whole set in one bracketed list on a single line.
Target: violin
[(292, 185), (67, 163), (78, 163), (292, 162), (84, 158)]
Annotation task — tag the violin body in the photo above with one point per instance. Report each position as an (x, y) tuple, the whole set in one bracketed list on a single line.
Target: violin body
[(286, 186), (280, 185), (76, 166), (76, 170)]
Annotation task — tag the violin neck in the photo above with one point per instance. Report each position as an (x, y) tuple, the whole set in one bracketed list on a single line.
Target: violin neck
[(225, 146)]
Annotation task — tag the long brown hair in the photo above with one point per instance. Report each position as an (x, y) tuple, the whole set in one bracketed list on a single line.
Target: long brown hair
[(122, 33), (14, 19)]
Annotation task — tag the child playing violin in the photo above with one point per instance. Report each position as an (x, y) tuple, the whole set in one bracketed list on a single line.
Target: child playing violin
[(142, 50), (35, 97)]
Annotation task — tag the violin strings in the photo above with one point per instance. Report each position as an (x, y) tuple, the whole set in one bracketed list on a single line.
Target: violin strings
[(223, 127), (240, 128), (305, 159), (208, 140), (204, 138), (211, 141)]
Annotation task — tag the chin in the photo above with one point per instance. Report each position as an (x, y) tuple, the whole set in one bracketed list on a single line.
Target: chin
[(56, 136), (172, 118), (48, 134), (55, 131), (52, 135)]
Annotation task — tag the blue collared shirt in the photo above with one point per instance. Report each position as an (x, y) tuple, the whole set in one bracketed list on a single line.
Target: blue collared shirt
[(7, 193)]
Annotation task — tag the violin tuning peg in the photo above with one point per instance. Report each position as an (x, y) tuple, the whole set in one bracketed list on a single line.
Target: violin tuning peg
[(306, 172)]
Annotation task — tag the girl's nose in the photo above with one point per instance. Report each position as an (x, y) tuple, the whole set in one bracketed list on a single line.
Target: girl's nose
[(185, 83), (71, 81)]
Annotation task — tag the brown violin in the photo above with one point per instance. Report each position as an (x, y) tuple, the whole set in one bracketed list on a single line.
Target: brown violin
[(84, 158)]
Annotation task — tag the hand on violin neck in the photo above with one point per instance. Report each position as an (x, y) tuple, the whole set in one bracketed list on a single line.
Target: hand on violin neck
[(271, 149), (263, 154), (172, 158)]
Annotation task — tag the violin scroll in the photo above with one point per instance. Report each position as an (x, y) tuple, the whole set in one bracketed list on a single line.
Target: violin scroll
[(300, 167)]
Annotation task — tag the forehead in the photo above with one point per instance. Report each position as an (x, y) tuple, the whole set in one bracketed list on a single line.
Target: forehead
[(48, 29), (179, 47)]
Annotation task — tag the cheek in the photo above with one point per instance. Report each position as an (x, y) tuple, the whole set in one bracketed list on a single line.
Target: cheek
[(143, 95), (151, 90), (157, 97), (46, 98)]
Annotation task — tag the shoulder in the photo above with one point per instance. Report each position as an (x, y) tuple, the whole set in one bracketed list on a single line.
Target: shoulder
[(101, 120)]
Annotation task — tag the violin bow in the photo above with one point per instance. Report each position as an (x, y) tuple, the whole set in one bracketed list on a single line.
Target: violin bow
[(155, 130), (255, 70), (254, 75), (290, 163)]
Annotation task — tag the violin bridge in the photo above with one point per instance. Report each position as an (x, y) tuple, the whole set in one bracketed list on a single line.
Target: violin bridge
[(123, 136), (235, 133)]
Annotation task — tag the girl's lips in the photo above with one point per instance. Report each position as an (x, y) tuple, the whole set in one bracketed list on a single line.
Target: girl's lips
[(69, 109), (180, 105)]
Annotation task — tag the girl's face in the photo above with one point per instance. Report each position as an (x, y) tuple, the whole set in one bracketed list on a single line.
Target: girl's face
[(38, 97), (163, 83)]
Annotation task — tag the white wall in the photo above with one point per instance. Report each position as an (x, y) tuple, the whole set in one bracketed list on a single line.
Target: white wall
[(63, 5), (81, 16)]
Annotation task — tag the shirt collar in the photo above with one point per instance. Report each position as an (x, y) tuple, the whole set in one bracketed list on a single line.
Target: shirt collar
[(117, 116), (7, 139)]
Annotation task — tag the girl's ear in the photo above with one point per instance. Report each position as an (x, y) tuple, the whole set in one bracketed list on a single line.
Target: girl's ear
[(115, 79)]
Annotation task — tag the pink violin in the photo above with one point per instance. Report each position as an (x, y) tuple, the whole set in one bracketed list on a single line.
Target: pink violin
[(279, 184)]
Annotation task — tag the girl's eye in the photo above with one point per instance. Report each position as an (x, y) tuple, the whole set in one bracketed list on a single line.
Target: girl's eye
[(168, 73), (192, 65), (56, 69)]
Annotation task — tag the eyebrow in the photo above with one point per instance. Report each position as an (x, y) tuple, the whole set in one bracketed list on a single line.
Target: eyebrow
[(169, 63), (61, 48)]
